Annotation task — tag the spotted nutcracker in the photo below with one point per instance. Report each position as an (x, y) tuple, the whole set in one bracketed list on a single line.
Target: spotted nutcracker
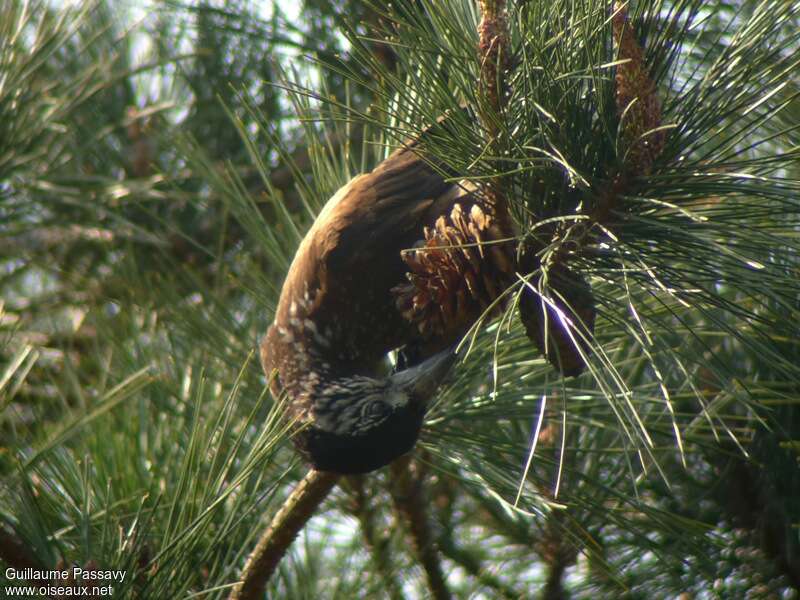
[(337, 318)]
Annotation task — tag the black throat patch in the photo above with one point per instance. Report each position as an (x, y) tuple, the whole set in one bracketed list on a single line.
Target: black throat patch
[(353, 454)]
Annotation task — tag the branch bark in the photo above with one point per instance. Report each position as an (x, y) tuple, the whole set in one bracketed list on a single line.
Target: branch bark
[(299, 507), (377, 544), (408, 500)]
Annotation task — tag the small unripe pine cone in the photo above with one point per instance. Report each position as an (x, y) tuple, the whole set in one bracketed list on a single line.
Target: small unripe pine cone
[(455, 273), (493, 53), (637, 100), (570, 292)]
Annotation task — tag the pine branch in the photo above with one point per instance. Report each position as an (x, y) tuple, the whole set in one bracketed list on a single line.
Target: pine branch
[(472, 565), (698, 273), (377, 544), (470, 561), (554, 587), (557, 555), (281, 532), (407, 494), (750, 502)]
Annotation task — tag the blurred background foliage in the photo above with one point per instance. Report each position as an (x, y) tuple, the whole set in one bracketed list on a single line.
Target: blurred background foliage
[(159, 163)]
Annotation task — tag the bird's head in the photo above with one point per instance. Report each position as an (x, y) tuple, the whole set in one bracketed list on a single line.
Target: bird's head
[(360, 424)]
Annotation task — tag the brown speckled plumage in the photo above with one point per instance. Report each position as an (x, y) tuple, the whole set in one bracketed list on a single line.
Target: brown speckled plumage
[(336, 318)]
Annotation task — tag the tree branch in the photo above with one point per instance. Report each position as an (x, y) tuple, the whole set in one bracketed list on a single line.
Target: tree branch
[(408, 501), (468, 559), (472, 565), (299, 507), (376, 543)]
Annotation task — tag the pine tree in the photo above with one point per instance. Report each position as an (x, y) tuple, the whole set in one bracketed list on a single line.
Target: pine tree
[(158, 172)]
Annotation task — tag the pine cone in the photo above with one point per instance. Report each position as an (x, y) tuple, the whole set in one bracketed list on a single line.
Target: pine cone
[(577, 306), (455, 273)]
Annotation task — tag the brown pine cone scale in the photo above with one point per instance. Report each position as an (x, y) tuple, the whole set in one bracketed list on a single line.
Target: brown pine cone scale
[(455, 273)]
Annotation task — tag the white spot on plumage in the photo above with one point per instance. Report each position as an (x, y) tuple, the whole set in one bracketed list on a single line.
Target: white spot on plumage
[(286, 334)]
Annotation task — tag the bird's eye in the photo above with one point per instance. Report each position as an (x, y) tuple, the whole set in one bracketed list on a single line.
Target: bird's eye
[(374, 408)]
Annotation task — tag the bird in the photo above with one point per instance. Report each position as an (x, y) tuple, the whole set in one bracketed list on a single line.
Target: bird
[(336, 318)]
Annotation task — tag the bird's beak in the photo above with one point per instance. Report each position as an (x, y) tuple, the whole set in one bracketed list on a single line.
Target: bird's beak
[(421, 380)]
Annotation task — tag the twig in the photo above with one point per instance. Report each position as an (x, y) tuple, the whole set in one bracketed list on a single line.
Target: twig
[(467, 559), (558, 554), (376, 543), (407, 495), (515, 531), (554, 587), (748, 491), (286, 524), (472, 565)]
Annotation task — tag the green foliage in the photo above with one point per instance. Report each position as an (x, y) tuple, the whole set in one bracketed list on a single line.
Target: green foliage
[(155, 179), (33, 106)]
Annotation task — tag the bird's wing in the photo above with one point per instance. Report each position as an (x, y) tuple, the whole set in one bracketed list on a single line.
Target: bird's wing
[(341, 277), (386, 210)]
